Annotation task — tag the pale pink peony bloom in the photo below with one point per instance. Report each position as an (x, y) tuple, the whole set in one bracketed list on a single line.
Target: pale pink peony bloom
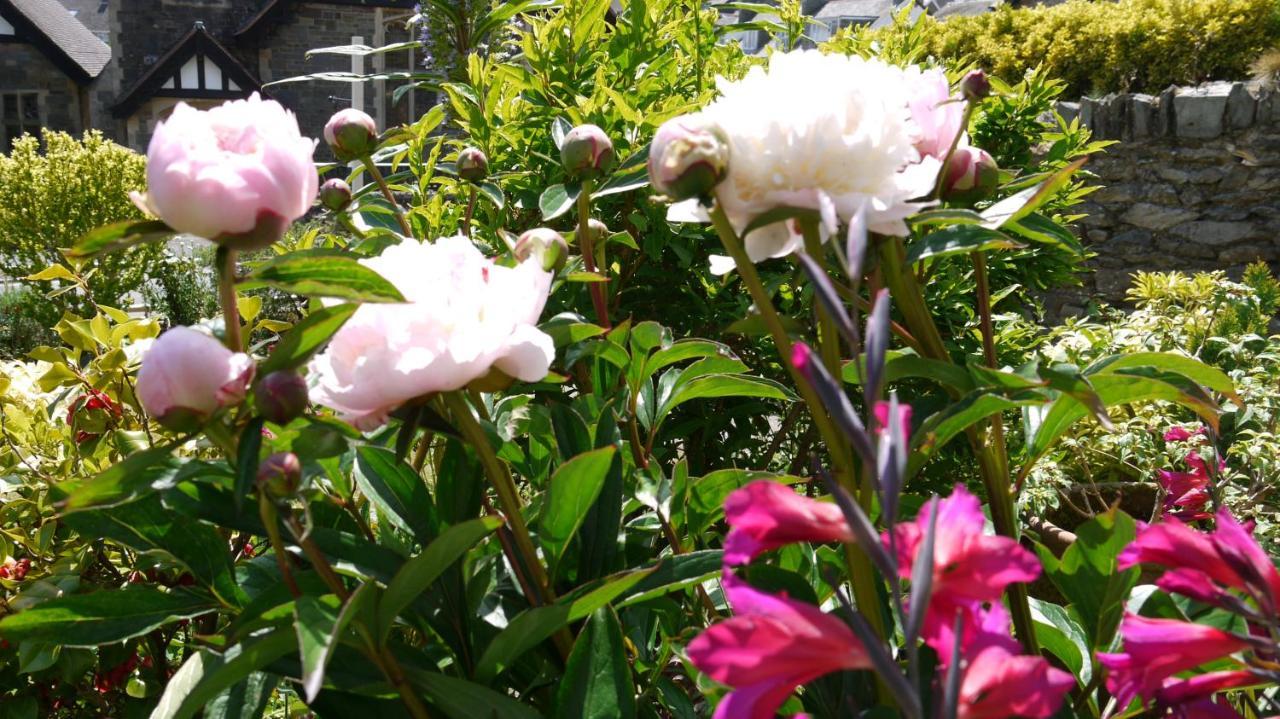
[(970, 567), (187, 375), (769, 647), (464, 316), (766, 515), (938, 115), (1157, 649), (236, 174)]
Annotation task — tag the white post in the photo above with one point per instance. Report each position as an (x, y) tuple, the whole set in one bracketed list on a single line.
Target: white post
[(357, 89), (379, 65)]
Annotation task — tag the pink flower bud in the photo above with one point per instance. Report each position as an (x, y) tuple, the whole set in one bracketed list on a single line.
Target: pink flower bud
[(237, 174), (187, 376), (473, 166), (586, 152), (351, 134), (280, 475), (689, 156), (543, 243), (281, 396), (970, 175), (335, 195), (975, 86)]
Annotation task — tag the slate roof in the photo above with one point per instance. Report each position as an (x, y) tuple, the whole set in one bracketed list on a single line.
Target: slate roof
[(65, 39), (273, 12), (855, 8)]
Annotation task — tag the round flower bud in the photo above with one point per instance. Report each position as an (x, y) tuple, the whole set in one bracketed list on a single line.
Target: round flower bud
[(688, 158), (975, 86), (587, 152), (281, 396), (187, 376), (598, 229), (546, 244), (351, 134), (279, 475), (970, 175), (335, 194), (473, 166)]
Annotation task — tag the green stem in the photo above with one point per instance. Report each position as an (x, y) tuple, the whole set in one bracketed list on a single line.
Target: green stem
[(267, 512), (861, 573), (471, 208), (587, 243), (376, 174), (226, 259)]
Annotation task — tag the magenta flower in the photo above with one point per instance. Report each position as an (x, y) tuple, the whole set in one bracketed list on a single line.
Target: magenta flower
[(1181, 434), (1157, 649), (970, 567), (1197, 690), (881, 411), (1205, 709), (1186, 493), (998, 684), (771, 646), (766, 515)]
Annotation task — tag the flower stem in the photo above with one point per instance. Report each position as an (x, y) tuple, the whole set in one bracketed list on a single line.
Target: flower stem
[(376, 174), (861, 573), (267, 512), (471, 208), (226, 259), (587, 243)]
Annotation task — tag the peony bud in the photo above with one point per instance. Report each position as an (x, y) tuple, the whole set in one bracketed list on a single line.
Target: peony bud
[(281, 396), (587, 152), (236, 174), (688, 158), (335, 195), (599, 230), (975, 86), (187, 376), (280, 475), (473, 166), (351, 134), (970, 175), (545, 243)]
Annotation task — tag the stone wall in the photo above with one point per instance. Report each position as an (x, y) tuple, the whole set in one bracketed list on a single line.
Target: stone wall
[(23, 67), (1193, 183)]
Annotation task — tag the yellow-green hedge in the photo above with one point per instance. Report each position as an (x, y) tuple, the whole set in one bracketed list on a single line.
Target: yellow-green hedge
[(1098, 46)]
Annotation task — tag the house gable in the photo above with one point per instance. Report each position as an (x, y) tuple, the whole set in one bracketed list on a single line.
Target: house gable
[(58, 35), (197, 66)]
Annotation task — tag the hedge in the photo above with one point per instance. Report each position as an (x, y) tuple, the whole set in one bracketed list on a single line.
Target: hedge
[(1099, 46)]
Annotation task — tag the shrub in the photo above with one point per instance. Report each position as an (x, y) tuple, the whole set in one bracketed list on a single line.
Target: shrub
[(55, 196), (1100, 47), (25, 319)]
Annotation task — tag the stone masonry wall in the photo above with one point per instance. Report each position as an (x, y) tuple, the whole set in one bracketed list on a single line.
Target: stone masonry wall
[(24, 67), (1193, 184)]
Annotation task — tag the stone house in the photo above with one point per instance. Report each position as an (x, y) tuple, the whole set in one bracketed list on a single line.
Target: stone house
[(58, 73)]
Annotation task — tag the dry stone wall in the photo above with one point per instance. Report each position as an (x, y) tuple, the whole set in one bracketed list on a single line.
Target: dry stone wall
[(1193, 183)]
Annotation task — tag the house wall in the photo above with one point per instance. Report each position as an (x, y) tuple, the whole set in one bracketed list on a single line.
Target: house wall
[(1192, 184), (25, 67)]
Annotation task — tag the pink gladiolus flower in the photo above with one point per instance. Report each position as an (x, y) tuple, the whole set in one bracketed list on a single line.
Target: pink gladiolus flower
[(766, 515), (187, 375), (1181, 434), (998, 684), (970, 567), (1187, 493), (881, 411), (1157, 649), (771, 646), (236, 174), (1197, 689)]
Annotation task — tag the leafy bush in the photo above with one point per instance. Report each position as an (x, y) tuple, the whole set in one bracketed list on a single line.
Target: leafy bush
[(25, 318), (57, 192), (1101, 47)]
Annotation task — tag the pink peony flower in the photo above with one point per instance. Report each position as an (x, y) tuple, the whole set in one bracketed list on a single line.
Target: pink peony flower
[(236, 174), (768, 648), (766, 515), (187, 375), (970, 567), (1157, 649), (464, 317), (937, 113), (998, 684)]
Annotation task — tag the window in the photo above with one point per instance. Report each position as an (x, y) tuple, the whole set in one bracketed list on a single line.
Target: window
[(19, 114)]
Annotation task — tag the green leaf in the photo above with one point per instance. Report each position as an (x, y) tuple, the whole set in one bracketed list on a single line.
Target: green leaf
[(1057, 632), (958, 239), (492, 193), (139, 473), (322, 274), (319, 622), (118, 236), (597, 679), (1087, 575), (532, 626), (557, 200), (630, 175), (396, 489), (461, 699), (1189, 367), (207, 674), (247, 458), (1018, 206), (306, 338), (573, 489), (418, 574), (724, 385), (1039, 228), (106, 617), (147, 526), (673, 573), (958, 416), (246, 700)]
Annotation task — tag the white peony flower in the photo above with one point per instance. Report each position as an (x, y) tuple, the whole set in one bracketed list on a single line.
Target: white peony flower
[(464, 315), (829, 133)]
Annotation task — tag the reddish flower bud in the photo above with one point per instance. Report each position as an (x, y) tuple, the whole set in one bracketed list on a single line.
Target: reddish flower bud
[(688, 158), (351, 134), (280, 475), (281, 396), (970, 175), (473, 166), (586, 152), (975, 86), (335, 195)]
